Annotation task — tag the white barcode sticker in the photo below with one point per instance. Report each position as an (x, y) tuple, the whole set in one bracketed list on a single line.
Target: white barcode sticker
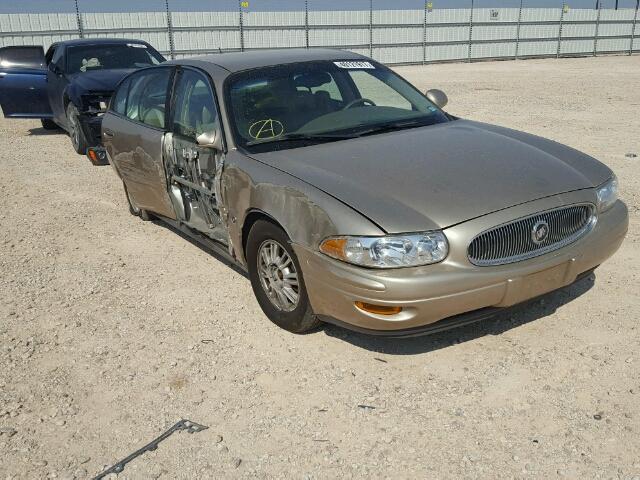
[(354, 65)]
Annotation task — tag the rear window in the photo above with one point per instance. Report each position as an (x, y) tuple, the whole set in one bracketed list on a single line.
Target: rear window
[(23, 57)]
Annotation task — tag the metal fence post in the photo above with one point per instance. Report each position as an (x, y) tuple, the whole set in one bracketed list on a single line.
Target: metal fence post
[(560, 31), (241, 25), (79, 20), (470, 31), (371, 28), (172, 50), (424, 34), (306, 22), (518, 29), (633, 30), (595, 37)]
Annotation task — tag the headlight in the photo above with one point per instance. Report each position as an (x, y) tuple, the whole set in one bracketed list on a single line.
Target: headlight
[(607, 194), (392, 251)]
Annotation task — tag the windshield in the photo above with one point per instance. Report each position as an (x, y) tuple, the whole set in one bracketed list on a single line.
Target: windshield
[(86, 58), (289, 106)]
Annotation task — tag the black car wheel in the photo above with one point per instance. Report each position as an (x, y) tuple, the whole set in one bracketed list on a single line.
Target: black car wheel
[(76, 134), (48, 124), (277, 280)]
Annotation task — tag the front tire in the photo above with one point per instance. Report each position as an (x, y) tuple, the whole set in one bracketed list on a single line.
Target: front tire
[(78, 140), (277, 280)]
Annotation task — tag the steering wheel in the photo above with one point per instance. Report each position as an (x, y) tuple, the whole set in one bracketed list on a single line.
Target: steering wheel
[(358, 101)]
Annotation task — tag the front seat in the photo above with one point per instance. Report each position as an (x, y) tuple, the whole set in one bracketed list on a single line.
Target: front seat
[(153, 117)]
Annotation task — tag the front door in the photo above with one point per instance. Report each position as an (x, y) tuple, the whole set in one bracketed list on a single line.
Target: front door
[(133, 133), (193, 168), (23, 82)]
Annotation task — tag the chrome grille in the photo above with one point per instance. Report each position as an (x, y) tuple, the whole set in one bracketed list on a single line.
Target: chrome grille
[(513, 241)]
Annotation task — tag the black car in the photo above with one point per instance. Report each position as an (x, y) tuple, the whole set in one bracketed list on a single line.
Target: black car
[(69, 86)]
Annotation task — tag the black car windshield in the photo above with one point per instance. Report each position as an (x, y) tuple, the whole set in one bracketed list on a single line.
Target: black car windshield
[(294, 105), (87, 58)]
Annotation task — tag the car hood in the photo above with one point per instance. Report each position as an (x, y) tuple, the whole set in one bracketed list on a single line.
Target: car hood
[(434, 177), (99, 80)]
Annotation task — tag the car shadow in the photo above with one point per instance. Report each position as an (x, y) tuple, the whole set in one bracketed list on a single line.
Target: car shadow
[(508, 319), (43, 132)]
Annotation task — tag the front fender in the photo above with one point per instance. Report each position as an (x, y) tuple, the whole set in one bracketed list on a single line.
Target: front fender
[(73, 94), (306, 214)]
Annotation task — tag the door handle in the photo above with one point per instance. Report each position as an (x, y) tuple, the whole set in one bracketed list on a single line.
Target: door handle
[(107, 133)]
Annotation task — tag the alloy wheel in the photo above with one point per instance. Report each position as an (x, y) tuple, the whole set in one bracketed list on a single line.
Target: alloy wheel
[(278, 276)]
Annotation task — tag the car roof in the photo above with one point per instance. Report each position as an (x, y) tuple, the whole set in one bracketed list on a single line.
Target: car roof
[(99, 41), (238, 61)]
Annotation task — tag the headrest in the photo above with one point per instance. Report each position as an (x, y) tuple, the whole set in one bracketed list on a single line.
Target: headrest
[(312, 79), (91, 63)]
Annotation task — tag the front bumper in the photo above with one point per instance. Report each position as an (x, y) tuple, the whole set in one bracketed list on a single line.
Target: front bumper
[(455, 287)]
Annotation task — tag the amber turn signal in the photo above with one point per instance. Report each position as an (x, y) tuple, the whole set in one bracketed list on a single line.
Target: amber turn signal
[(378, 309), (93, 156), (334, 247)]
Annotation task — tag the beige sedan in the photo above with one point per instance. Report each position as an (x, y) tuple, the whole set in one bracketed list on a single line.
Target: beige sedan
[(352, 198)]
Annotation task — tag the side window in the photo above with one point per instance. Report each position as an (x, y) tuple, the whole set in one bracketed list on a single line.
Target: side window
[(147, 97), (119, 100), (57, 57), (26, 57), (379, 92), (194, 106), (50, 53)]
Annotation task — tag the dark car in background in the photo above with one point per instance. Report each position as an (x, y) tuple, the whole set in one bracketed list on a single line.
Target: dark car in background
[(69, 86)]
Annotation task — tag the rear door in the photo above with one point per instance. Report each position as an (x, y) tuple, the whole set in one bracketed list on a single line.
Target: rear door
[(133, 133), (23, 82)]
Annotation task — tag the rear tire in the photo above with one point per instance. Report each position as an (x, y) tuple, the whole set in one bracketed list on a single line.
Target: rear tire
[(276, 278), (48, 124), (78, 140)]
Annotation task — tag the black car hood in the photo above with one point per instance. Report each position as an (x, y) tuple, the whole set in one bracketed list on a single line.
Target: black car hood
[(437, 176), (98, 80)]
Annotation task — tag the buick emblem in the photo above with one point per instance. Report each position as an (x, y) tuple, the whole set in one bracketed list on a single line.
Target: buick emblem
[(539, 232)]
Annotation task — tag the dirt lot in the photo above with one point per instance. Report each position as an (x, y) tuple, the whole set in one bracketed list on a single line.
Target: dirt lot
[(112, 329)]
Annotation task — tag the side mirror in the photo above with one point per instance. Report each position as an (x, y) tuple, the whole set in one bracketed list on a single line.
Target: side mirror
[(212, 139), (438, 97)]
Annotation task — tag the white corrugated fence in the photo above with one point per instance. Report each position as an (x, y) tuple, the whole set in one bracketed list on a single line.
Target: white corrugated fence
[(390, 36)]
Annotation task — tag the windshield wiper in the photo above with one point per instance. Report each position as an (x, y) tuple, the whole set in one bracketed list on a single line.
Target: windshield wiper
[(390, 127), (327, 137)]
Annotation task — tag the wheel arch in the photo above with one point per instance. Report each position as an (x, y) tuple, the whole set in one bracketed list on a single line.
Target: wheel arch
[(252, 216)]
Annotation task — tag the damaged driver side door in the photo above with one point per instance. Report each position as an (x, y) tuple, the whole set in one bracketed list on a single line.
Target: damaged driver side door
[(194, 156)]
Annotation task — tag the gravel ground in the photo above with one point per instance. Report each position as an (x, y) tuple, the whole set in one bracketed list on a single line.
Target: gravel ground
[(112, 329)]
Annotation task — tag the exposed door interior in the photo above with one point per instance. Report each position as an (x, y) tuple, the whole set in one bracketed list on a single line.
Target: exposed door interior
[(194, 171)]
